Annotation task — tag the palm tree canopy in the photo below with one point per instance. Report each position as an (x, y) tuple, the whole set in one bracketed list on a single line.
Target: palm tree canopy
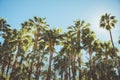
[(107, 21)]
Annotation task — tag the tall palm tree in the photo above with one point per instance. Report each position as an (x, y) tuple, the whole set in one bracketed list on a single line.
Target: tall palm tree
[(108, 22), (7, 47), (66, 52), (88, 39), (61, 63), (3, 24), (37, 26), (22, 42), (52, 38), (110, 53), (5, 53), (76, 32)]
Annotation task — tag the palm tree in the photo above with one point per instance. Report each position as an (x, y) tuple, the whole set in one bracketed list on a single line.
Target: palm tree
[(3, 24), (88, 39), (61, 64), (110, 54), (118, 65), (66, 53), (7, 49), (52, 38), (76, 32), (22, 43), (108, 22), (37, 26)]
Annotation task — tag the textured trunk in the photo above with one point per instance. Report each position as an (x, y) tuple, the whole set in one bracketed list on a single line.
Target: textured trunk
[(13, 68), (111, 38), (94, 76), (78, 40), (79, 50), (50, 59), (106, 60), (30, 72), (90, 54), (107, 71), (61, 76), (79, 63), (66, 66), (3, 67), (36, 35), (8, 66), (69, 74), (38, 70), (73, 66), (119, 74), (15, 62), (66, 76)]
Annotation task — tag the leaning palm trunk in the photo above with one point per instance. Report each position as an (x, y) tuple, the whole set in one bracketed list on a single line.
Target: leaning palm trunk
[(50, 60), (13, 69), (111, 38), (3, 68), (8, 66)]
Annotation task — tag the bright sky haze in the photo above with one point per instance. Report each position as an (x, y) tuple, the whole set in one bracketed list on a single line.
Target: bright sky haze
[(62, 13)]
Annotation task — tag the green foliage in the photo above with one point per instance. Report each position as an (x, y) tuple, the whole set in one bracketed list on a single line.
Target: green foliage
[(24, 53)]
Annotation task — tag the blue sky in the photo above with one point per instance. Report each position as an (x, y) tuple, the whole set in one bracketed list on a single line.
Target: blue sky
[(62, 13)]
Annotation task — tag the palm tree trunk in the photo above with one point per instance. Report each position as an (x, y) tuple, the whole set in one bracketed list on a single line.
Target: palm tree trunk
[(73, 66), (78, 45), (66, 69), (106, 60), (66, 76), (69, 74), (62, 76), (8, 66), (13, 68), (36, 35), (49, 68), (79, 63), (119, 75), (37, 69), (3, 67), (107, 71), (111, 38), (90, 54), (30, 71), (50, 59), (15, 62)]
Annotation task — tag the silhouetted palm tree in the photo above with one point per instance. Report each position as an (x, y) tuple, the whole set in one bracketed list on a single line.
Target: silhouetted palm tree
[(108, 22)]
